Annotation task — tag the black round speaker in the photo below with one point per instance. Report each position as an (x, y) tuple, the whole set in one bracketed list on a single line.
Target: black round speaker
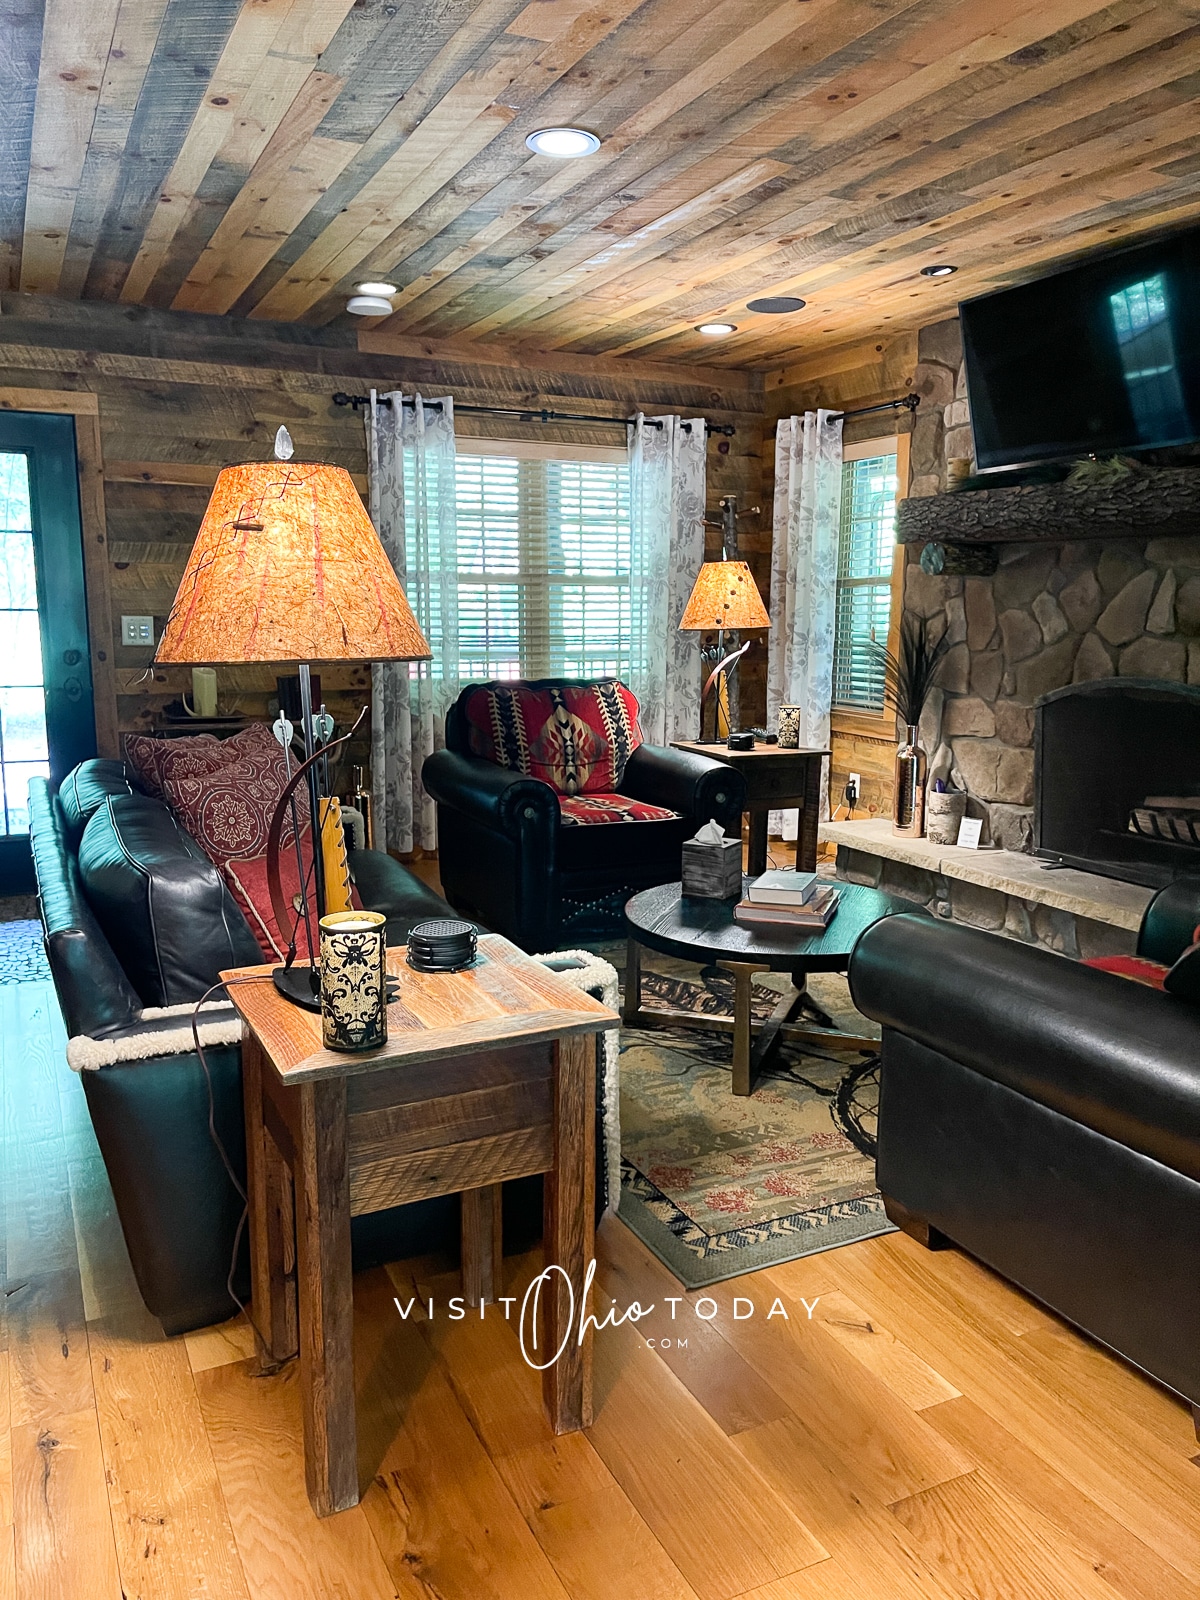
[(441, 946)]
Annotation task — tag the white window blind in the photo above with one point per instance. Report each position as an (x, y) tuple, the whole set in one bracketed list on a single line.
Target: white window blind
[(864, 584), (543, 566)]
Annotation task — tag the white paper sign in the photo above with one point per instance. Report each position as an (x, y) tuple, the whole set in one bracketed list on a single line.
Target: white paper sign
[(969, 831)]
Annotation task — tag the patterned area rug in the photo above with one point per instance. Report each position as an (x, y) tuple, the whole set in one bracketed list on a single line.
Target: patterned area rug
[(22, 958), (717, 1185)]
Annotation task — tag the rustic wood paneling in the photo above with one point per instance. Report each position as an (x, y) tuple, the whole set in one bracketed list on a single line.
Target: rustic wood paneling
[(179, 396), (259, 157)]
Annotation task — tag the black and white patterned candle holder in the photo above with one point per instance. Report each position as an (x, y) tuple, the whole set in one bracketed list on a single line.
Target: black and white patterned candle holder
[(353, 980), (789, 727)]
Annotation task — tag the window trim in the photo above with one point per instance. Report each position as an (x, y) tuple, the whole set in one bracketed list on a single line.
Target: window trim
[(539, 449), (880, 724)]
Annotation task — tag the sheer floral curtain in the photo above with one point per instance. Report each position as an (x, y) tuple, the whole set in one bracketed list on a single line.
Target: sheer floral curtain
[(807, 515), (666, 509), (410, 452)]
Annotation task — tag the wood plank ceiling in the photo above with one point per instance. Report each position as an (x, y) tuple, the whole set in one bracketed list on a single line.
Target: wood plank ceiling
[(259, 157)]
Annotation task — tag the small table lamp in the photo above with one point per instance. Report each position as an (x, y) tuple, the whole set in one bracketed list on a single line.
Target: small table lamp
[(724, 597), (287, 568)]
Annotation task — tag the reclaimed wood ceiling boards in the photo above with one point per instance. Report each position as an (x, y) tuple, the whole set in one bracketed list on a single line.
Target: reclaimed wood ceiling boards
[(259, 157)]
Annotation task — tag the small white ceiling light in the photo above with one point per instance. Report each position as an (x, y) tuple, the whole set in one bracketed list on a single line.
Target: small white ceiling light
[(940, 269), (384, 291), (716, 330), (369, 305), (564, 143)]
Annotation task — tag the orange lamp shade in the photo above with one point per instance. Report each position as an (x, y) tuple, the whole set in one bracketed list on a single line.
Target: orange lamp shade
[(287, 567), (725, 596)]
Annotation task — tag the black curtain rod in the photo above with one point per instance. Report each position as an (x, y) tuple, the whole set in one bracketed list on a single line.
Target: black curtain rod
[(907, 402), (527, 414)]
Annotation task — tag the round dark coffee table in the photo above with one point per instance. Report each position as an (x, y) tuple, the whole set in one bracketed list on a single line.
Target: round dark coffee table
[(704, 931)]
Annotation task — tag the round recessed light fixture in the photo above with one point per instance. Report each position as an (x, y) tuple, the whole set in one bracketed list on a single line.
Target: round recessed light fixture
[(716, 330), (940, 269), (776, 305), (383, 291), (369, 305), (564, 143)]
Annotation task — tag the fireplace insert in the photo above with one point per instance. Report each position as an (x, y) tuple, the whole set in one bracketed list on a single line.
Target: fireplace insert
[(1117, 778)]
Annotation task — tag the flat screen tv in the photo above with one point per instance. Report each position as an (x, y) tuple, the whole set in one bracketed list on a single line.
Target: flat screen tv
[(1100, 358)]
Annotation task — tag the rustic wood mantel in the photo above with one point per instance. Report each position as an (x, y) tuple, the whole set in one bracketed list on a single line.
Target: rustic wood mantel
[(1164, 504)]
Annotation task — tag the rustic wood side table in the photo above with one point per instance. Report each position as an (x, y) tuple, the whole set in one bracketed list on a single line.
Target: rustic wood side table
[(776, 780), (487, 1074)]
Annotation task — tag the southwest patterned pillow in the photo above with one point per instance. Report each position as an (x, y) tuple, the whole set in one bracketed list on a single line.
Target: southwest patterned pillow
[(576, 738), (579, 810)]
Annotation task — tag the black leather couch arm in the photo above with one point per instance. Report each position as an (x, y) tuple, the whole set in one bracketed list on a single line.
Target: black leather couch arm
[(93, 991), (493, 796), (1117, 1056), (1170, 922), (696, 786)]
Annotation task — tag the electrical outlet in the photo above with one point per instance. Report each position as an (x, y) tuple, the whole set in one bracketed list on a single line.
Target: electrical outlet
[(137, 630), (853, 789)]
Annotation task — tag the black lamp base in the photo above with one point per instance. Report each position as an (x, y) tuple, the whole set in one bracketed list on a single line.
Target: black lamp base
[(300, 985)]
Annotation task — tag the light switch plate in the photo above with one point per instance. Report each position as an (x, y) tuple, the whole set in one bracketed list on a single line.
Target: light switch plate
[(137, 630)]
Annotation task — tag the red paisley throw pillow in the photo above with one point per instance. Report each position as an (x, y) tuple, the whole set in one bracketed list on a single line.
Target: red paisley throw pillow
[(226, 797)]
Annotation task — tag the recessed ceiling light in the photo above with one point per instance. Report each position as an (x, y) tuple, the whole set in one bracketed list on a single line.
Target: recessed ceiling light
[(369, 305), (384, 290), (776, 305), (563, 142), (940, 269), (716, 330)]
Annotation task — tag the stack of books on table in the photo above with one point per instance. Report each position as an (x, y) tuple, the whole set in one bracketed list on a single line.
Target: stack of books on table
[(786, 899)]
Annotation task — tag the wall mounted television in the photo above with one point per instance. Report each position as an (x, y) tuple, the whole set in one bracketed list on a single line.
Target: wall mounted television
[(1102, 357)]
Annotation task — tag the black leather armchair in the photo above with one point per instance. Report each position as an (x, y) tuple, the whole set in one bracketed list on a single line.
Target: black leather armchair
[(1046, 1117), (506, 859)]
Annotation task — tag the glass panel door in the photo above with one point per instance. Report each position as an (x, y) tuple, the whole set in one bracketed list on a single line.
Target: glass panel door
[(47, 722), (24, 751)]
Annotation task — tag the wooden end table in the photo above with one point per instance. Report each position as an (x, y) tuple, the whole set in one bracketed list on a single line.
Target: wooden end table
[(776, 780), (487, 1074)]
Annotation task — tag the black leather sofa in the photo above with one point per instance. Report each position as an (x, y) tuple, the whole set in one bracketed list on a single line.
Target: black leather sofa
[(505, 858), (171, 927), (1046, 1117)]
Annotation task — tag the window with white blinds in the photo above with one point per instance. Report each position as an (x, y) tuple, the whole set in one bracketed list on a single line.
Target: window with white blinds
[(864, 582), (543, 566)]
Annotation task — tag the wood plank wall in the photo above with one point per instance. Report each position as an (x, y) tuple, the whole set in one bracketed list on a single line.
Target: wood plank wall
[(864, 373), (181, 395)]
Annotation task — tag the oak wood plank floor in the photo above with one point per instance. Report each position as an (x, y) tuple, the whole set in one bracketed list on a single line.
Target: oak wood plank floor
[(926, 1433)]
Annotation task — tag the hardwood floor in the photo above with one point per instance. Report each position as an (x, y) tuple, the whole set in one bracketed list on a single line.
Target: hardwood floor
[(925, 1434)]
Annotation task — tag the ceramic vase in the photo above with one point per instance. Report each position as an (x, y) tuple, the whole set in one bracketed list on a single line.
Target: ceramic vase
[(943, 815)]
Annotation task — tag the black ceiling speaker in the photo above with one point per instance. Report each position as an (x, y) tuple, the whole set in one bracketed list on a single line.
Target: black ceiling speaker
[(776, 305)]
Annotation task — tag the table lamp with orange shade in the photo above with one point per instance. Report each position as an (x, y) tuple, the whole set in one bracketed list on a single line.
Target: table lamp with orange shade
[(287, 568), (724, 598)]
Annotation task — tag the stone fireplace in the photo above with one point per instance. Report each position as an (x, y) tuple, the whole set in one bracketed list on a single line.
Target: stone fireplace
[(1117, 779), (1051, 615)]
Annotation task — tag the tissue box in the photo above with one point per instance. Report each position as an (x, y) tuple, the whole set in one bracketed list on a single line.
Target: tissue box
[(713, 871)]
